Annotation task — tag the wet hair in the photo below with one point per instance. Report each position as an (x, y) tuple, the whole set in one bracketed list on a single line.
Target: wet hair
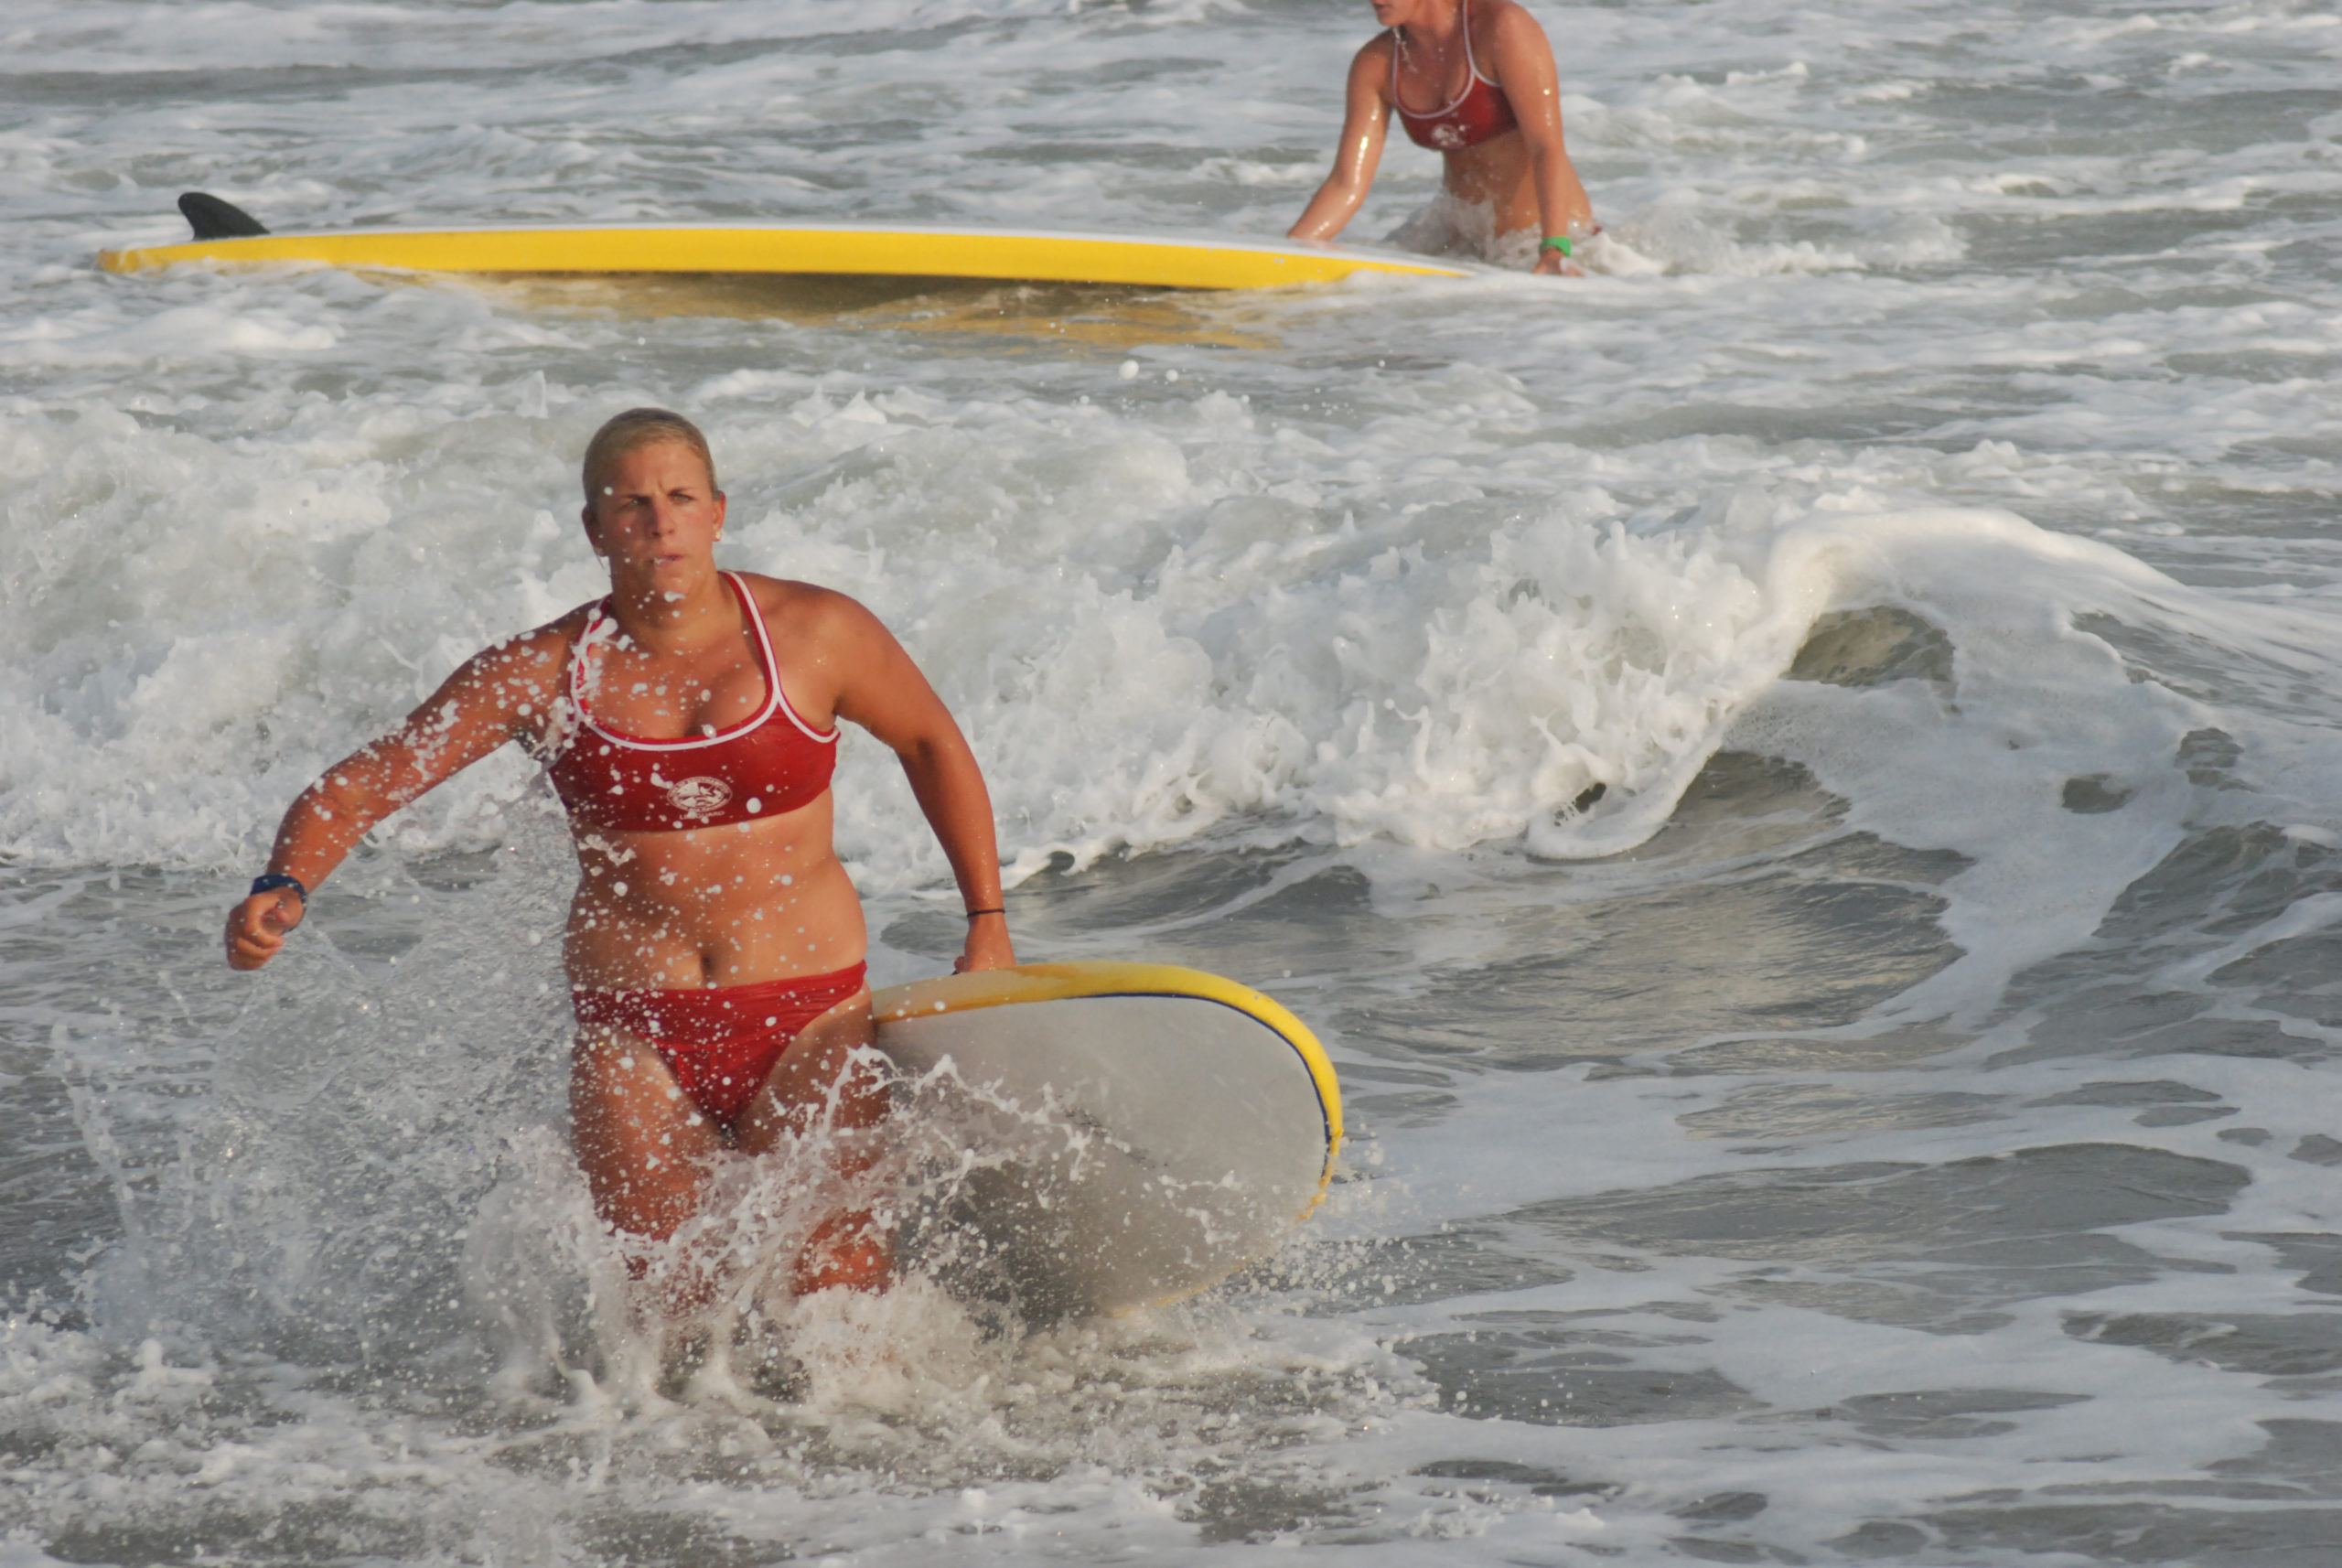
[(632, 431)]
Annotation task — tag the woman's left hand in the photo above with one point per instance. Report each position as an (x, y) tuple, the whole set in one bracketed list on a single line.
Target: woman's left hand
[(1554, 263), (988, 946)]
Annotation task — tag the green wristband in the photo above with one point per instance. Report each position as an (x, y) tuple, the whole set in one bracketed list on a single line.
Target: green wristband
[(1555, 242)]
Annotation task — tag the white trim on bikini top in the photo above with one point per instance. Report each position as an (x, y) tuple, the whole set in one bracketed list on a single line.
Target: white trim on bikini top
[(1472, 77), (599, 628)]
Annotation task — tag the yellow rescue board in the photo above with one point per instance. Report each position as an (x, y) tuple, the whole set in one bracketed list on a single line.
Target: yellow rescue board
[(871, 250), (1141, 1131)]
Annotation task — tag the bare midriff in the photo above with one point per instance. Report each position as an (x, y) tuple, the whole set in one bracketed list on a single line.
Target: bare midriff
[(1499, 175), (721, 905)]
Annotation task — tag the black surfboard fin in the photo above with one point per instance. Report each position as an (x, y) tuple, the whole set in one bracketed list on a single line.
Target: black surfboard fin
[(213, 219)]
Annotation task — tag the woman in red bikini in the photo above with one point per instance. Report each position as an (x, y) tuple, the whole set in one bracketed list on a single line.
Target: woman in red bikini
[(715, 945), (1475, 81)]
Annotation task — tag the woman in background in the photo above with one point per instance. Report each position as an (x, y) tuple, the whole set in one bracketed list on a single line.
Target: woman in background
[(1475, 81)]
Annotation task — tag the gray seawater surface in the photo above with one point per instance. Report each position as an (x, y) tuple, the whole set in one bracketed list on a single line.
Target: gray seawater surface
[(1894, 1124)]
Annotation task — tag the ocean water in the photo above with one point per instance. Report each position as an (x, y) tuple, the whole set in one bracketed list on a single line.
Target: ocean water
[(1897, 1122)]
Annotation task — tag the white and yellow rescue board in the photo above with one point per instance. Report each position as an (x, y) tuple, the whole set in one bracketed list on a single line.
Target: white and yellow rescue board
[(1156, 1128), (883, 250)]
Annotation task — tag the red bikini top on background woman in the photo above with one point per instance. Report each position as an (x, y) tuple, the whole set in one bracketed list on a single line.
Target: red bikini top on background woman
[(1480, 110), (630, 785)]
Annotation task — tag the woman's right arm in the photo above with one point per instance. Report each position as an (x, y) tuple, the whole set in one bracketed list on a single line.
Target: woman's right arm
[(1366, 116), (497, 695)]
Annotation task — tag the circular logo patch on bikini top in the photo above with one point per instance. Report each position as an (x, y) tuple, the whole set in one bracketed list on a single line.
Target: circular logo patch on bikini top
[(699, 797)]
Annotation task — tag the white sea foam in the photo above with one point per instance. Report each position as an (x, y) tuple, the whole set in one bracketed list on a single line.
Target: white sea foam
[(1443, 677)]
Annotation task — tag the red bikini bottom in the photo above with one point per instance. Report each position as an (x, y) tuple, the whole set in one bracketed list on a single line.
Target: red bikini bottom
[(719, 1041)]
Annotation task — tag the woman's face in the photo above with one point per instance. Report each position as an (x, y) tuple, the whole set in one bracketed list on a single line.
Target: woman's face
[(658, 517), (1406, 13)]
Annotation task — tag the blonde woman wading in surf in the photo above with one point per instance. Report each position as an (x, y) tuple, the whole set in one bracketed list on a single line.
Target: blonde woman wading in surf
[(1475, 81), (715, 946)]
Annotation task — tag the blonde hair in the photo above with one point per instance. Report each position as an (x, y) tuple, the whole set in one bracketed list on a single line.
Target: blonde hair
[(632, 431)]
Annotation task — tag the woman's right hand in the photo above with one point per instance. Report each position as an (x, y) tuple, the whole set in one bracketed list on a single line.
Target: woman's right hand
[(256, 926)]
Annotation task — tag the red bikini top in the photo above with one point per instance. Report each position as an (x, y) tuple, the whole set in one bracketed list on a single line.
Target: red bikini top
[(1480, 111), (630, 785)]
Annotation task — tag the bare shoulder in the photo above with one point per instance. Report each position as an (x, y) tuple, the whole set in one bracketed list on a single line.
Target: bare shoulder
[(522, 673), (1370, 78), (807, 611)]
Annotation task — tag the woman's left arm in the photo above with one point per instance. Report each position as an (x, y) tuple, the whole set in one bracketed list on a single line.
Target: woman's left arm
[(1524, 65), (884, 691)]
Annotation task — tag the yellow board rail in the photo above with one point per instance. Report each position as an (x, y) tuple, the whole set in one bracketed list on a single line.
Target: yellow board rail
[(1061, 981), (877, 250)]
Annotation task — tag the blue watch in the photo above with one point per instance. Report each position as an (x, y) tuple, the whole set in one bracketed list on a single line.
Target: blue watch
[(276, 879)]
